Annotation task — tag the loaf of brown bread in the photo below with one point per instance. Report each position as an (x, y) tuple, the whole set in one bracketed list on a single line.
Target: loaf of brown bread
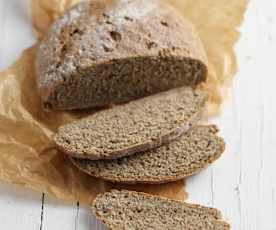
[(112, 51), (133, 127), (125, 210), (187, 155)]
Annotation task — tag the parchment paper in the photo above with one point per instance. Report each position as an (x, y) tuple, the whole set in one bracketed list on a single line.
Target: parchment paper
[(27, 154)]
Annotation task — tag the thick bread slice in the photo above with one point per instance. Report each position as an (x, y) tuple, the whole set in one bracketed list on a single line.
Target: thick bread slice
[(114, 51), (134, 127), (192, 152), (125, 210)]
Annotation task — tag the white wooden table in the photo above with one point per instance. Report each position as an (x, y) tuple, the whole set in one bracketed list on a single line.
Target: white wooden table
[(242, 183)]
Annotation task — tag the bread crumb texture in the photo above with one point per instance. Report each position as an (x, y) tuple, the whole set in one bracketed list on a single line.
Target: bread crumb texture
[(125, 210), (138, 125), (192, 152)]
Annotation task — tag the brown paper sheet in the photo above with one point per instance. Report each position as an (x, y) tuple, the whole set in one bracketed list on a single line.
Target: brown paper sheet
[(27, 154), (216, 22)]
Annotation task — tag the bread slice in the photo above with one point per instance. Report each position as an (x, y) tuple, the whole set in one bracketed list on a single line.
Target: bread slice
[(134, 127), (192, 152), (107, 52), (124, 210)]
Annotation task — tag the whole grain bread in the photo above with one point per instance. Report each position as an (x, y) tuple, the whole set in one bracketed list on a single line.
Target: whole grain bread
[(189, 154), (125, 210), (133, 127), (112, 51)]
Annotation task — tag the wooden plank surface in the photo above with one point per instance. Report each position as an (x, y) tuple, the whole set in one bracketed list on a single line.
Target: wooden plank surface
[(242, 183)]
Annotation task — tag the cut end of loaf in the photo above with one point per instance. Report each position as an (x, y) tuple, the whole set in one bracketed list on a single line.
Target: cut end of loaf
[(187, 155), (124, 80), (133, 210)]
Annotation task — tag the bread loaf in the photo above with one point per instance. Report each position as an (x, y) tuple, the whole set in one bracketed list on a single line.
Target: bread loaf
[(112, 51)]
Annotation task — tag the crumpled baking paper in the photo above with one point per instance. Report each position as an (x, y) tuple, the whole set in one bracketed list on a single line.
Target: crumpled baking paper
[(27, 153)]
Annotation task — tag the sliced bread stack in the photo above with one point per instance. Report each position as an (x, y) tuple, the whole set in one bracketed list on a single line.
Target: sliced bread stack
[(183, 157), (151, 140), (144, 54), (155, 139)]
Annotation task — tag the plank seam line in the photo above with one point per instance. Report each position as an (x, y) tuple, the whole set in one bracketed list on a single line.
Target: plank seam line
[(239, 152), (42, 211), (77, 216)]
